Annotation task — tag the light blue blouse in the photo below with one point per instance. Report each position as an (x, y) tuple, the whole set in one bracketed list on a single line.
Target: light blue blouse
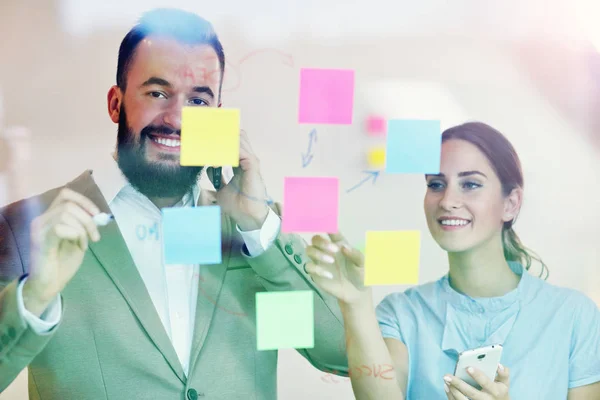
[(551, 335)]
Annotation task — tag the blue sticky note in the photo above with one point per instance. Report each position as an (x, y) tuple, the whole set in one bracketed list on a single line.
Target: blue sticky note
[(413, 147), (192, 235)]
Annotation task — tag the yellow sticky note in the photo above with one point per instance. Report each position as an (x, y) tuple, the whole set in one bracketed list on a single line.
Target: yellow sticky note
[(392, 257), (210, 136), (377, 157)]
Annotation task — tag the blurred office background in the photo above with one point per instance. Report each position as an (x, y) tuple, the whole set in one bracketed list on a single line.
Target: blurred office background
[(531, 69)]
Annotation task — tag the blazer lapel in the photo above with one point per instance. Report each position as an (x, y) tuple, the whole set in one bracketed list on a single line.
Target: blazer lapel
[(210, 282), (112, 253)]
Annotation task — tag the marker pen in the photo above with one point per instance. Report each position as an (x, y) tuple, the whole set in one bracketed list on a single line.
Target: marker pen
[(103, 219)]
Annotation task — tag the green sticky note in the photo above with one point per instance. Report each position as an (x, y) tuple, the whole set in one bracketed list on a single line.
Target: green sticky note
[(285, 320), (210, 136), (392, 257)]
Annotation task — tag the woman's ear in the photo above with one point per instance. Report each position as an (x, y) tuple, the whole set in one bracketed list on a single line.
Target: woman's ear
[(512, 204), (113, 100)]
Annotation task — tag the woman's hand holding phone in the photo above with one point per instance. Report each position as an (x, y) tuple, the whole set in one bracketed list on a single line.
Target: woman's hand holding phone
[(457, 389)]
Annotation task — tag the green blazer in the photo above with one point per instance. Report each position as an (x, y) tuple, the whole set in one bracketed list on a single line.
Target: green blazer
[(110, 342)]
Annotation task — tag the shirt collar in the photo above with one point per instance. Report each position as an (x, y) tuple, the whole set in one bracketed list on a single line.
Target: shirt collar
[(112, 182)]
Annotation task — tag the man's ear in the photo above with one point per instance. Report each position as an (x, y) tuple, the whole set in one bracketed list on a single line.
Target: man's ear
[(113, 100), (512, 204)]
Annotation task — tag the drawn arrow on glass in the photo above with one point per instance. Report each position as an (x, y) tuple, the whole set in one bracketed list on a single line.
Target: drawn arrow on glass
[(371, 175), (306, 159)]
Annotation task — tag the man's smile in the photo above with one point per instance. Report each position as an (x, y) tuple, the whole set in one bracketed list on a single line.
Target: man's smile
[(171, 143)]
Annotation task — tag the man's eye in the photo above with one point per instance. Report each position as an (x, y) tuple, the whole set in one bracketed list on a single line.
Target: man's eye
[(157, 95), (198, 102)]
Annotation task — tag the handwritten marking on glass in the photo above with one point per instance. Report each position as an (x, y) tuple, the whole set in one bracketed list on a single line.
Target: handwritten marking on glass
[(371, 175), (306, 159), (144, 232)]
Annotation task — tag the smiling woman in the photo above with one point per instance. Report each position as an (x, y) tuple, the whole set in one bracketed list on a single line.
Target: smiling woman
[(550, 335), (488, 147)]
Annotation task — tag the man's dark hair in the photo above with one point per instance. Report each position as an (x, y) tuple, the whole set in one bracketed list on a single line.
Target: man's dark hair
[(185, 27)]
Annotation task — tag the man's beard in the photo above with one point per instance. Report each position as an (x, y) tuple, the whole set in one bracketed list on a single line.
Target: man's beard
[(152, 179)]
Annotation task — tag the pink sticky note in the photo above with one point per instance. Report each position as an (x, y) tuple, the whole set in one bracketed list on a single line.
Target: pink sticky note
[(310, 204), (326, 96), (376, 125)]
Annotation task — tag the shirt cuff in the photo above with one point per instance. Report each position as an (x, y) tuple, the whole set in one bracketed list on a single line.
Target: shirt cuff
[(49, 318), (259, 240)]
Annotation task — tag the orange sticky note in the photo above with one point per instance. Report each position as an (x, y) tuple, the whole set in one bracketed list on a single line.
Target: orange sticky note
[(210, 136), (377, 157), (392, 257)]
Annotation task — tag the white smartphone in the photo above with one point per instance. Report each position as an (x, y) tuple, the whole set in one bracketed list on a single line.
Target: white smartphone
[(485, 359)]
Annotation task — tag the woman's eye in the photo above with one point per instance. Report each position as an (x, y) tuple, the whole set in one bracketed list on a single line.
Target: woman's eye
[(198, 102), (471, 185), (434, 185)]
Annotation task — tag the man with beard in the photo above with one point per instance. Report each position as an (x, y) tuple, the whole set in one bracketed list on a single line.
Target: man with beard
[(93, 311)]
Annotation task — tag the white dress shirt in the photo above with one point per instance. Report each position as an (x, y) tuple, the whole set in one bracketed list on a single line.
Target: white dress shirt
[(172, 288)]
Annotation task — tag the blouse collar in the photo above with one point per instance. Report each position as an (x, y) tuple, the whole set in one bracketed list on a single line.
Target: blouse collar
[(488, 304)]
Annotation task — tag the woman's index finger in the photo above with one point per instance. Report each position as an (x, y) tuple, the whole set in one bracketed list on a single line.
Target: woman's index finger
[(337, 238)]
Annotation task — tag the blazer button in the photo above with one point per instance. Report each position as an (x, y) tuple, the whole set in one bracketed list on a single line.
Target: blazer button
[(297, 258), (288, 249), (192, 394)]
